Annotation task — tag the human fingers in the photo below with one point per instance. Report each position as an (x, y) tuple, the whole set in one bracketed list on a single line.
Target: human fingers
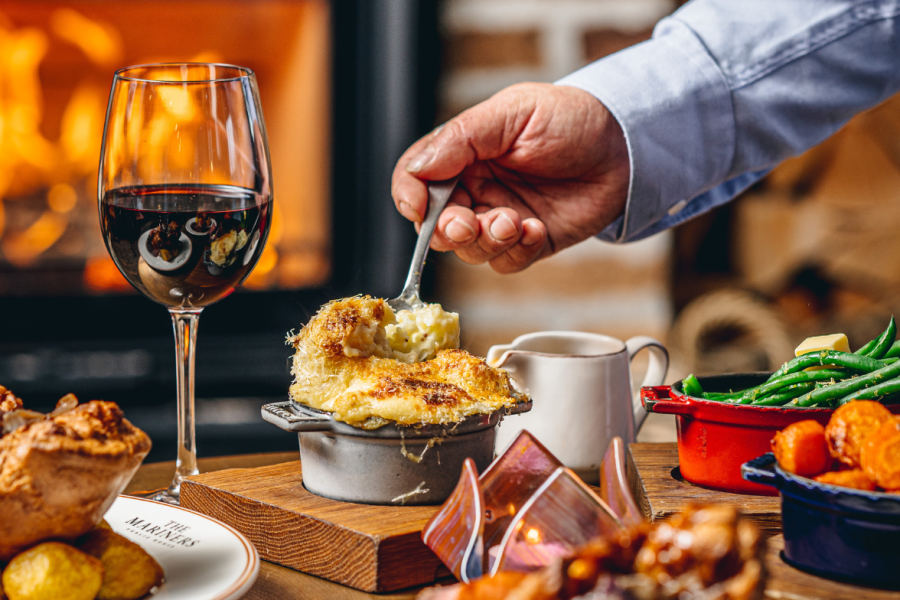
[(483, 132), (409, 192), (500, 229), (457, 227), (533, 244)]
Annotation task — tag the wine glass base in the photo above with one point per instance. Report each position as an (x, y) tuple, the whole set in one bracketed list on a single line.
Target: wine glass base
[(159, 495), (165, 497)]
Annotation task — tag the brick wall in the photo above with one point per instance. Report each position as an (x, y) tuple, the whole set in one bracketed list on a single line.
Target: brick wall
[(494, 43), (620, 290)]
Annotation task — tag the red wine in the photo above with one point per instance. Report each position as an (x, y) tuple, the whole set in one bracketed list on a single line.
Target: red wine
[(185, 245)]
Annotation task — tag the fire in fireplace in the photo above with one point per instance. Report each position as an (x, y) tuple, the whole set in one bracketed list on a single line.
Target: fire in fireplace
[(56, 64), (346, 86)]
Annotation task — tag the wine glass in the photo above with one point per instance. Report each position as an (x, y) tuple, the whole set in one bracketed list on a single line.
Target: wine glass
[(185, 200)]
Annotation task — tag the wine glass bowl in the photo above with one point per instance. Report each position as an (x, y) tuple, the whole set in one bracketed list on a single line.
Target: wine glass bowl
[(185, 199)]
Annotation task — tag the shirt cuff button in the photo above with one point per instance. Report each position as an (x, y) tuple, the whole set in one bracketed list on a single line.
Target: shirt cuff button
[(676, 208)]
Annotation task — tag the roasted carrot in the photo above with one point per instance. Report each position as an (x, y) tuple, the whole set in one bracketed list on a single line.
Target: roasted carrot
[(880, 456), (849, 427), (856, 479), (801, 449)]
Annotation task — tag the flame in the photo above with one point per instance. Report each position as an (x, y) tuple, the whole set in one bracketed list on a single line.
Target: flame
[(29, 162), (533, 536), (102, 275), (22, 248), (177, 100), (81, 127), (267, 262), (99, 42), (62, 198)]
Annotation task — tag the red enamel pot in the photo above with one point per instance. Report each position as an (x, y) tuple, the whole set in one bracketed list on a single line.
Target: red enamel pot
[(715, 438)]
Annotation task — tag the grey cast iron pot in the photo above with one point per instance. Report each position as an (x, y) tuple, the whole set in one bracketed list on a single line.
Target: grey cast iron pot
[(392, 465)]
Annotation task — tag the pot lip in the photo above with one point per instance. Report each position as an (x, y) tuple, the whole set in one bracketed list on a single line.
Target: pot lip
[(393, 441), (827, 496), (471, 424), (680, 396)]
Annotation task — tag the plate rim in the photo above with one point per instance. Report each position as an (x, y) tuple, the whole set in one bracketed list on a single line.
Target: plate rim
[(250, 573)]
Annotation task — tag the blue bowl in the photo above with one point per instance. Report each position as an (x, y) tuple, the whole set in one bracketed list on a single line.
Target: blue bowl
[(835, 532)]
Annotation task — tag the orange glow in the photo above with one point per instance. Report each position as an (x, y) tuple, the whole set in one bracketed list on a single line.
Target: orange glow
[(62, 198), (56, 61), (533, 536), (31, 163), (82, 126), (99, 42), (22, 248), (266, 264), (177, 100), (102, 275)]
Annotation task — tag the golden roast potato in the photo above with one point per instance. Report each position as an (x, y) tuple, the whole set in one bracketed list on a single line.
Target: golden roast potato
[(53, 571), (129, 572)]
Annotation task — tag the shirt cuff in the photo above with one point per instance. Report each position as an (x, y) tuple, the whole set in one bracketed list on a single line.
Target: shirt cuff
[(675, 108)]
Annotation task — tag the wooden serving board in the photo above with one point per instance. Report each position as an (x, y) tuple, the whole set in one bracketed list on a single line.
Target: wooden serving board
[(659, 492), (370, 548)]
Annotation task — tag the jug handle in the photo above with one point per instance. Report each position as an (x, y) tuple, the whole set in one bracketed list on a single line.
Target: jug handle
[(656, 371)]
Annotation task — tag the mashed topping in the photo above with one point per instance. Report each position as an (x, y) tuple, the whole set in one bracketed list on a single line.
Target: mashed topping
[(418, 335), (368, 366), (222, 250)]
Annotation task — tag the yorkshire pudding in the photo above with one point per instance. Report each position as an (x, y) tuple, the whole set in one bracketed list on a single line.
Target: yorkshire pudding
[(60, 474)]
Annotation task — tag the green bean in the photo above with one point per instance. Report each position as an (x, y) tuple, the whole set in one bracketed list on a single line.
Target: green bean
[(691, 386), (849, 386), (784, 396), (722, 395), (759, 392), (889, 361), (885, 340), (876, 392), (893, 351), (855, 362), (867, 347)]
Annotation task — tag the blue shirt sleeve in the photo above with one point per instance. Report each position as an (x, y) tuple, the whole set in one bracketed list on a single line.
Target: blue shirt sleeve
[(726, 89)]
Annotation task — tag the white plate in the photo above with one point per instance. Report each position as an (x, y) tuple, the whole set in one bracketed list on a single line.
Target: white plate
[(160, 264), (189, 227), (204, 559)]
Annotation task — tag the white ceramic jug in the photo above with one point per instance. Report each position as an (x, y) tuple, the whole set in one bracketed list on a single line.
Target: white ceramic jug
[(581, 387)]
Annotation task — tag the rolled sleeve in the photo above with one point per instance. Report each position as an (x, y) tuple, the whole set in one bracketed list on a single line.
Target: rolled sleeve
[(670, 98)]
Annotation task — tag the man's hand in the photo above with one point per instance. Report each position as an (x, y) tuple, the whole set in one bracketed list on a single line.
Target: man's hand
[(543, 167)]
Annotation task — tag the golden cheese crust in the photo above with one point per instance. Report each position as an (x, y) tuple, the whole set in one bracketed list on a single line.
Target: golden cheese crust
[(8, 403), (59, 476), (343, 366)]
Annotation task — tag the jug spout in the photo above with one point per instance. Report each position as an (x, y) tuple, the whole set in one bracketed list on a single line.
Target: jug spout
[(496, 356)]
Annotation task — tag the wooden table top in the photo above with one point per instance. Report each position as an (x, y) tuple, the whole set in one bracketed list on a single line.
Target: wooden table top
[(280, 583), (275, 582)]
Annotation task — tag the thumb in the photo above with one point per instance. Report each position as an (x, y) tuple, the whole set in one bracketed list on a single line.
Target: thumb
[(483, 132)]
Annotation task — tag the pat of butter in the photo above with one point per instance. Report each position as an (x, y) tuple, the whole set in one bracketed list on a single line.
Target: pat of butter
[(834, 341)]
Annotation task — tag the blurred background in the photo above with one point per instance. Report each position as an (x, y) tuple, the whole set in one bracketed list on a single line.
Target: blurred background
[(346, 86)]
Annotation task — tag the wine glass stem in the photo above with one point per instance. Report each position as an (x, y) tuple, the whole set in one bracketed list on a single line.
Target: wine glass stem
[(185, 324)]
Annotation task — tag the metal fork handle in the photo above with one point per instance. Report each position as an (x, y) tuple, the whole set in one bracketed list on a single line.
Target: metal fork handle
[(439, 193)]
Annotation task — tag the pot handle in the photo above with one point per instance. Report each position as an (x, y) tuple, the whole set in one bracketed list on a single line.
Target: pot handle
[(520, 407), (656, 371), (762, 470), (280, 414), (658, 399)]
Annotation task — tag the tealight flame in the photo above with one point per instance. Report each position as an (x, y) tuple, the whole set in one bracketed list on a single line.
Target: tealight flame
[(533, 536)]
